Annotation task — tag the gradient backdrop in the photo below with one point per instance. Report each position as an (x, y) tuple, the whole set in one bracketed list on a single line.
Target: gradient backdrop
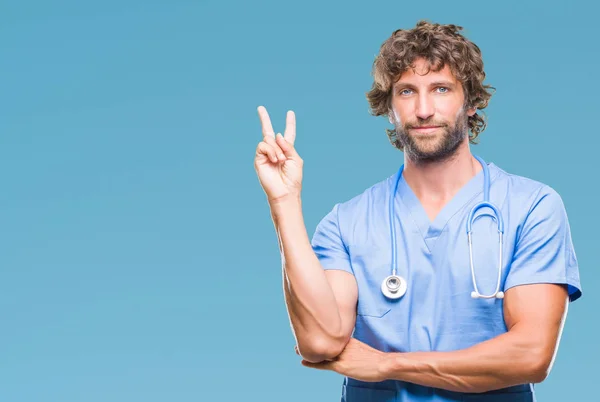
[(138, 261)]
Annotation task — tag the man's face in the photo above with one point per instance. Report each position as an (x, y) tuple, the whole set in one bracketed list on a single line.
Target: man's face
[(428, 113)]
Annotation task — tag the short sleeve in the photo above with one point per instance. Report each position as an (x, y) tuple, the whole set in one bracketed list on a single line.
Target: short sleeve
[(544, 251), (328, 245)]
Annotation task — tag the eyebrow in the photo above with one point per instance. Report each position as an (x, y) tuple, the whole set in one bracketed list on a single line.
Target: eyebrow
[(433, 84), (442, 84)]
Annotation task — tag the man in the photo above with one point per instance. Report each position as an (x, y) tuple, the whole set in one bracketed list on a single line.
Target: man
[(438, 338)]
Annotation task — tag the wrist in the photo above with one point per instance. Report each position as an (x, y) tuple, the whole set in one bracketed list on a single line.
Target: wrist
[(391, 365), (283, 204)]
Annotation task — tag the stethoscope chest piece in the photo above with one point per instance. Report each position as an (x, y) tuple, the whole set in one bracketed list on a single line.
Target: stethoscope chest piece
[(393, 287)]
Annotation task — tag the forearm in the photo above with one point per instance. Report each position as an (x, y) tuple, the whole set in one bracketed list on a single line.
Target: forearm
[(507, 360), (310, 301)]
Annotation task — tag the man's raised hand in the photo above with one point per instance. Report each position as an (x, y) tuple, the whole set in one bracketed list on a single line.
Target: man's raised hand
[(277, 164)]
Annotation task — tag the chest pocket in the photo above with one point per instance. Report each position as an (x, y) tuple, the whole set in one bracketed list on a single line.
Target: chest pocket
[(380, 322), (371, 265)]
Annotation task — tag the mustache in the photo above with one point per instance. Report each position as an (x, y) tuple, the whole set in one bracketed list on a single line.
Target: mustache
[(429, 123)]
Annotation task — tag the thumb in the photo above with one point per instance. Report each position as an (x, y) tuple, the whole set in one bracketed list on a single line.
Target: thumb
[(287, 148)]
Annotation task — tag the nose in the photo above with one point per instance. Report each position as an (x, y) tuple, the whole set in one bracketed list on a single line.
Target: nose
[(425, 108)]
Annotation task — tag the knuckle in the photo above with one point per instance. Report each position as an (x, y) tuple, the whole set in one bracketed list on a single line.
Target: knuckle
[(265, 148)]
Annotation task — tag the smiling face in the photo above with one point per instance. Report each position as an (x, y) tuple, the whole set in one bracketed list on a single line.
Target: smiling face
[(428, 113)]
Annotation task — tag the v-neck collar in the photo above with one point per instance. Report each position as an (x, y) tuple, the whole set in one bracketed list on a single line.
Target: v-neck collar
[(429, 230)]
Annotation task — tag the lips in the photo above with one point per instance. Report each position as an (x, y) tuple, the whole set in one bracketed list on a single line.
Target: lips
[(425, 129)]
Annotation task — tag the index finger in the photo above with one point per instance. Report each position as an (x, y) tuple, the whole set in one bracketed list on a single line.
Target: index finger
[(290, 127), (265, 121)]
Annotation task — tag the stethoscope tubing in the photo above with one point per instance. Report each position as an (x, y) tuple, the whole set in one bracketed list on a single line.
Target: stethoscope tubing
[(394, 278)]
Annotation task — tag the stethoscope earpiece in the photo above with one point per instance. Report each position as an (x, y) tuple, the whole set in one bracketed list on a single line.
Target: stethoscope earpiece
[(497, 295)]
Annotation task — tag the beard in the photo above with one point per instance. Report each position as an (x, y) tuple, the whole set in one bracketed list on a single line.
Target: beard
[(432, 147)]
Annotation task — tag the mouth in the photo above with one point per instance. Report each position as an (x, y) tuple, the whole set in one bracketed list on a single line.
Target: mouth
[(425, 129)]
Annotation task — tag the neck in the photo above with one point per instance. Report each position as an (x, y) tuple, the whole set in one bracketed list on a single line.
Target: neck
[(438, 181)]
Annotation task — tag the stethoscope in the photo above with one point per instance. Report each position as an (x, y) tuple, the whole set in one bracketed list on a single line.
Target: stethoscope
[(394, 286)]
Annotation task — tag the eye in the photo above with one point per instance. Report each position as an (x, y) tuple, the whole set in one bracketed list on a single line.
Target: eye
[(404, 92), (443, 90)]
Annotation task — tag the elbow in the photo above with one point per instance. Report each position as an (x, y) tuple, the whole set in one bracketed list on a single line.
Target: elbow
[(539, 367), (318, 349), (539, 373)]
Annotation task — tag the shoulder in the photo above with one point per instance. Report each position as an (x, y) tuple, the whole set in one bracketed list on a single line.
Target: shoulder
[(349, 216), (521, 191), (371, 197), (371, 202)]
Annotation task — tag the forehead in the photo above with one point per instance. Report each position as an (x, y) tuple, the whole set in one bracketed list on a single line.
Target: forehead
[(422, 73)]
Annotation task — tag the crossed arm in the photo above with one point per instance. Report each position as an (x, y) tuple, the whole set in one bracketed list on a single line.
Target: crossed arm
[(322, 309), (534, 316)]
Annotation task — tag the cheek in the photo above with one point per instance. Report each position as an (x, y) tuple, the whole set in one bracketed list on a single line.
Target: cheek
[(400, 113), (450, 108), (449, 112), (396, 117)]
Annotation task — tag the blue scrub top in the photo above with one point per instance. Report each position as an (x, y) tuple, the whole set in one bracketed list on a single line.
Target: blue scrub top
[(437, 313)]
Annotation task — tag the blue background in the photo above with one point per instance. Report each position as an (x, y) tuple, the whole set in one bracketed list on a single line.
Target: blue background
[(138, 260)]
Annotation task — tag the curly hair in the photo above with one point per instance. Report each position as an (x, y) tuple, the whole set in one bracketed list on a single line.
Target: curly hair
[(439, 45)]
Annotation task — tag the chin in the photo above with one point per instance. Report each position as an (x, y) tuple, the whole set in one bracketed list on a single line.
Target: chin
[(430, 146)]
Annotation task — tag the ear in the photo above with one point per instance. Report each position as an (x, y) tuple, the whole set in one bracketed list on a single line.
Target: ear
[(471, 111)]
